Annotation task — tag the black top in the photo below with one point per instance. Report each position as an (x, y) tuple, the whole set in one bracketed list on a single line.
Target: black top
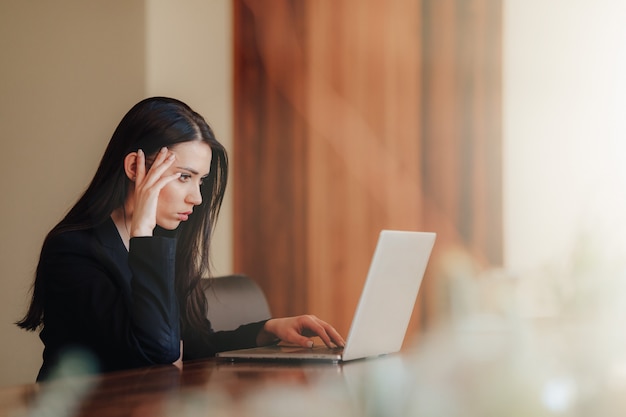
[(119, 306)]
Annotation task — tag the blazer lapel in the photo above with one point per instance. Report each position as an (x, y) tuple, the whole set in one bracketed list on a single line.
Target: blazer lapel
[(114, 253)]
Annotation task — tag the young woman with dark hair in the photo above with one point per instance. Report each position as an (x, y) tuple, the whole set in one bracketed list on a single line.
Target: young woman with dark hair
[(119, 276)]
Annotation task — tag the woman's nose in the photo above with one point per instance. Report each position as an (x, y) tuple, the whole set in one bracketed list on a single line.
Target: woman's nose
[(195, 197)]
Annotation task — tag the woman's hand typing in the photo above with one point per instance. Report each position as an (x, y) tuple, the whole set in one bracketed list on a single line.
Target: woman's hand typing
[(299, 330)]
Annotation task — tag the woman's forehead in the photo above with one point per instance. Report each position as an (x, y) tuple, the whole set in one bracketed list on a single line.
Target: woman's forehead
[(195, 155)]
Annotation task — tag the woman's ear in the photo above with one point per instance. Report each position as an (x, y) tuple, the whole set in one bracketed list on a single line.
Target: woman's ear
[(130, 166)]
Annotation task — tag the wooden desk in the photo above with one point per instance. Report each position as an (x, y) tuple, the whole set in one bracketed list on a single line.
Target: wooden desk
[(200, 388)]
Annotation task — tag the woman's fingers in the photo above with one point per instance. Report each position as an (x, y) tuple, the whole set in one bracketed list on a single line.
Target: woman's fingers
[(162, 162), (148, 185), (334, 335), (324, 331), (153, 179), (299, 329), (140, 168)]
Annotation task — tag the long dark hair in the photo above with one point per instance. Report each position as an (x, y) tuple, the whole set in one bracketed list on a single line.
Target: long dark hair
[(151, 124)]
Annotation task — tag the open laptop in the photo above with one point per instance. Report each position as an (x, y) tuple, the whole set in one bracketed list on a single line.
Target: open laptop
[(384, 309)]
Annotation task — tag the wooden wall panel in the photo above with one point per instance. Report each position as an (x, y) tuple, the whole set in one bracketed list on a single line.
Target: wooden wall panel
[(364, 127), (269, 159), (353, 116)]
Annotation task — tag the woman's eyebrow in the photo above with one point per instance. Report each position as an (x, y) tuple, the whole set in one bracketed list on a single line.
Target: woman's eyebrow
[(193, 171)]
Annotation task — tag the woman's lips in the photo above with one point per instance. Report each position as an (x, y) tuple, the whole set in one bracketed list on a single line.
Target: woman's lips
[(184, 216)]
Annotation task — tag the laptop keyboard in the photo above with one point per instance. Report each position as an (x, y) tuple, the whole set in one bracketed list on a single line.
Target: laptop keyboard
[(316, 348)]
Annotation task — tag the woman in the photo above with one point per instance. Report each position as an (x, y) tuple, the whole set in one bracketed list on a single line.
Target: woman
[(118, 277)]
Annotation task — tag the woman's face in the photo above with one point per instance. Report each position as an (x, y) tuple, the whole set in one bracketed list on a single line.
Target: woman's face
[(178, 198)]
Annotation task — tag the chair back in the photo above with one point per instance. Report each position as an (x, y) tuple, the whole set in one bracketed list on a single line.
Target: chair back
[(234, 300)]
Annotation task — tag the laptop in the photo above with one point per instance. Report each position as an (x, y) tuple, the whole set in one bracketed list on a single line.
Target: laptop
[(384, 309)]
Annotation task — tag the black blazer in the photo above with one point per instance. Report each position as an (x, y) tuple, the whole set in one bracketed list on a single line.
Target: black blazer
[(118, 307)]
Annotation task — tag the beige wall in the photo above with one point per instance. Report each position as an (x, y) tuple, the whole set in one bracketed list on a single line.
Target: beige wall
[(69, 71), (189, 57)]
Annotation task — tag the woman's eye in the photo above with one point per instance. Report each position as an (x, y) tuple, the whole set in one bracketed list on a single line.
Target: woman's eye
[(184, 177)]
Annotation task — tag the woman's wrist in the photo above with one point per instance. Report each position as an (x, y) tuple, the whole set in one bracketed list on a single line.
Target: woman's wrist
[(266, 337), (141, 232)]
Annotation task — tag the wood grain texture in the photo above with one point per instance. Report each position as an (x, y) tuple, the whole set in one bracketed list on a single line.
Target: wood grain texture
[(355, 116)]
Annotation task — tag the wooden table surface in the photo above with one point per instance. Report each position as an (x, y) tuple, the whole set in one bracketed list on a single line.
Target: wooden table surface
[(199, 388)]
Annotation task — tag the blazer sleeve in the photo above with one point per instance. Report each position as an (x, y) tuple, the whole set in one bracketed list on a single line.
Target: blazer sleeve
[(196, 345), (154, 306), (125, 312)]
